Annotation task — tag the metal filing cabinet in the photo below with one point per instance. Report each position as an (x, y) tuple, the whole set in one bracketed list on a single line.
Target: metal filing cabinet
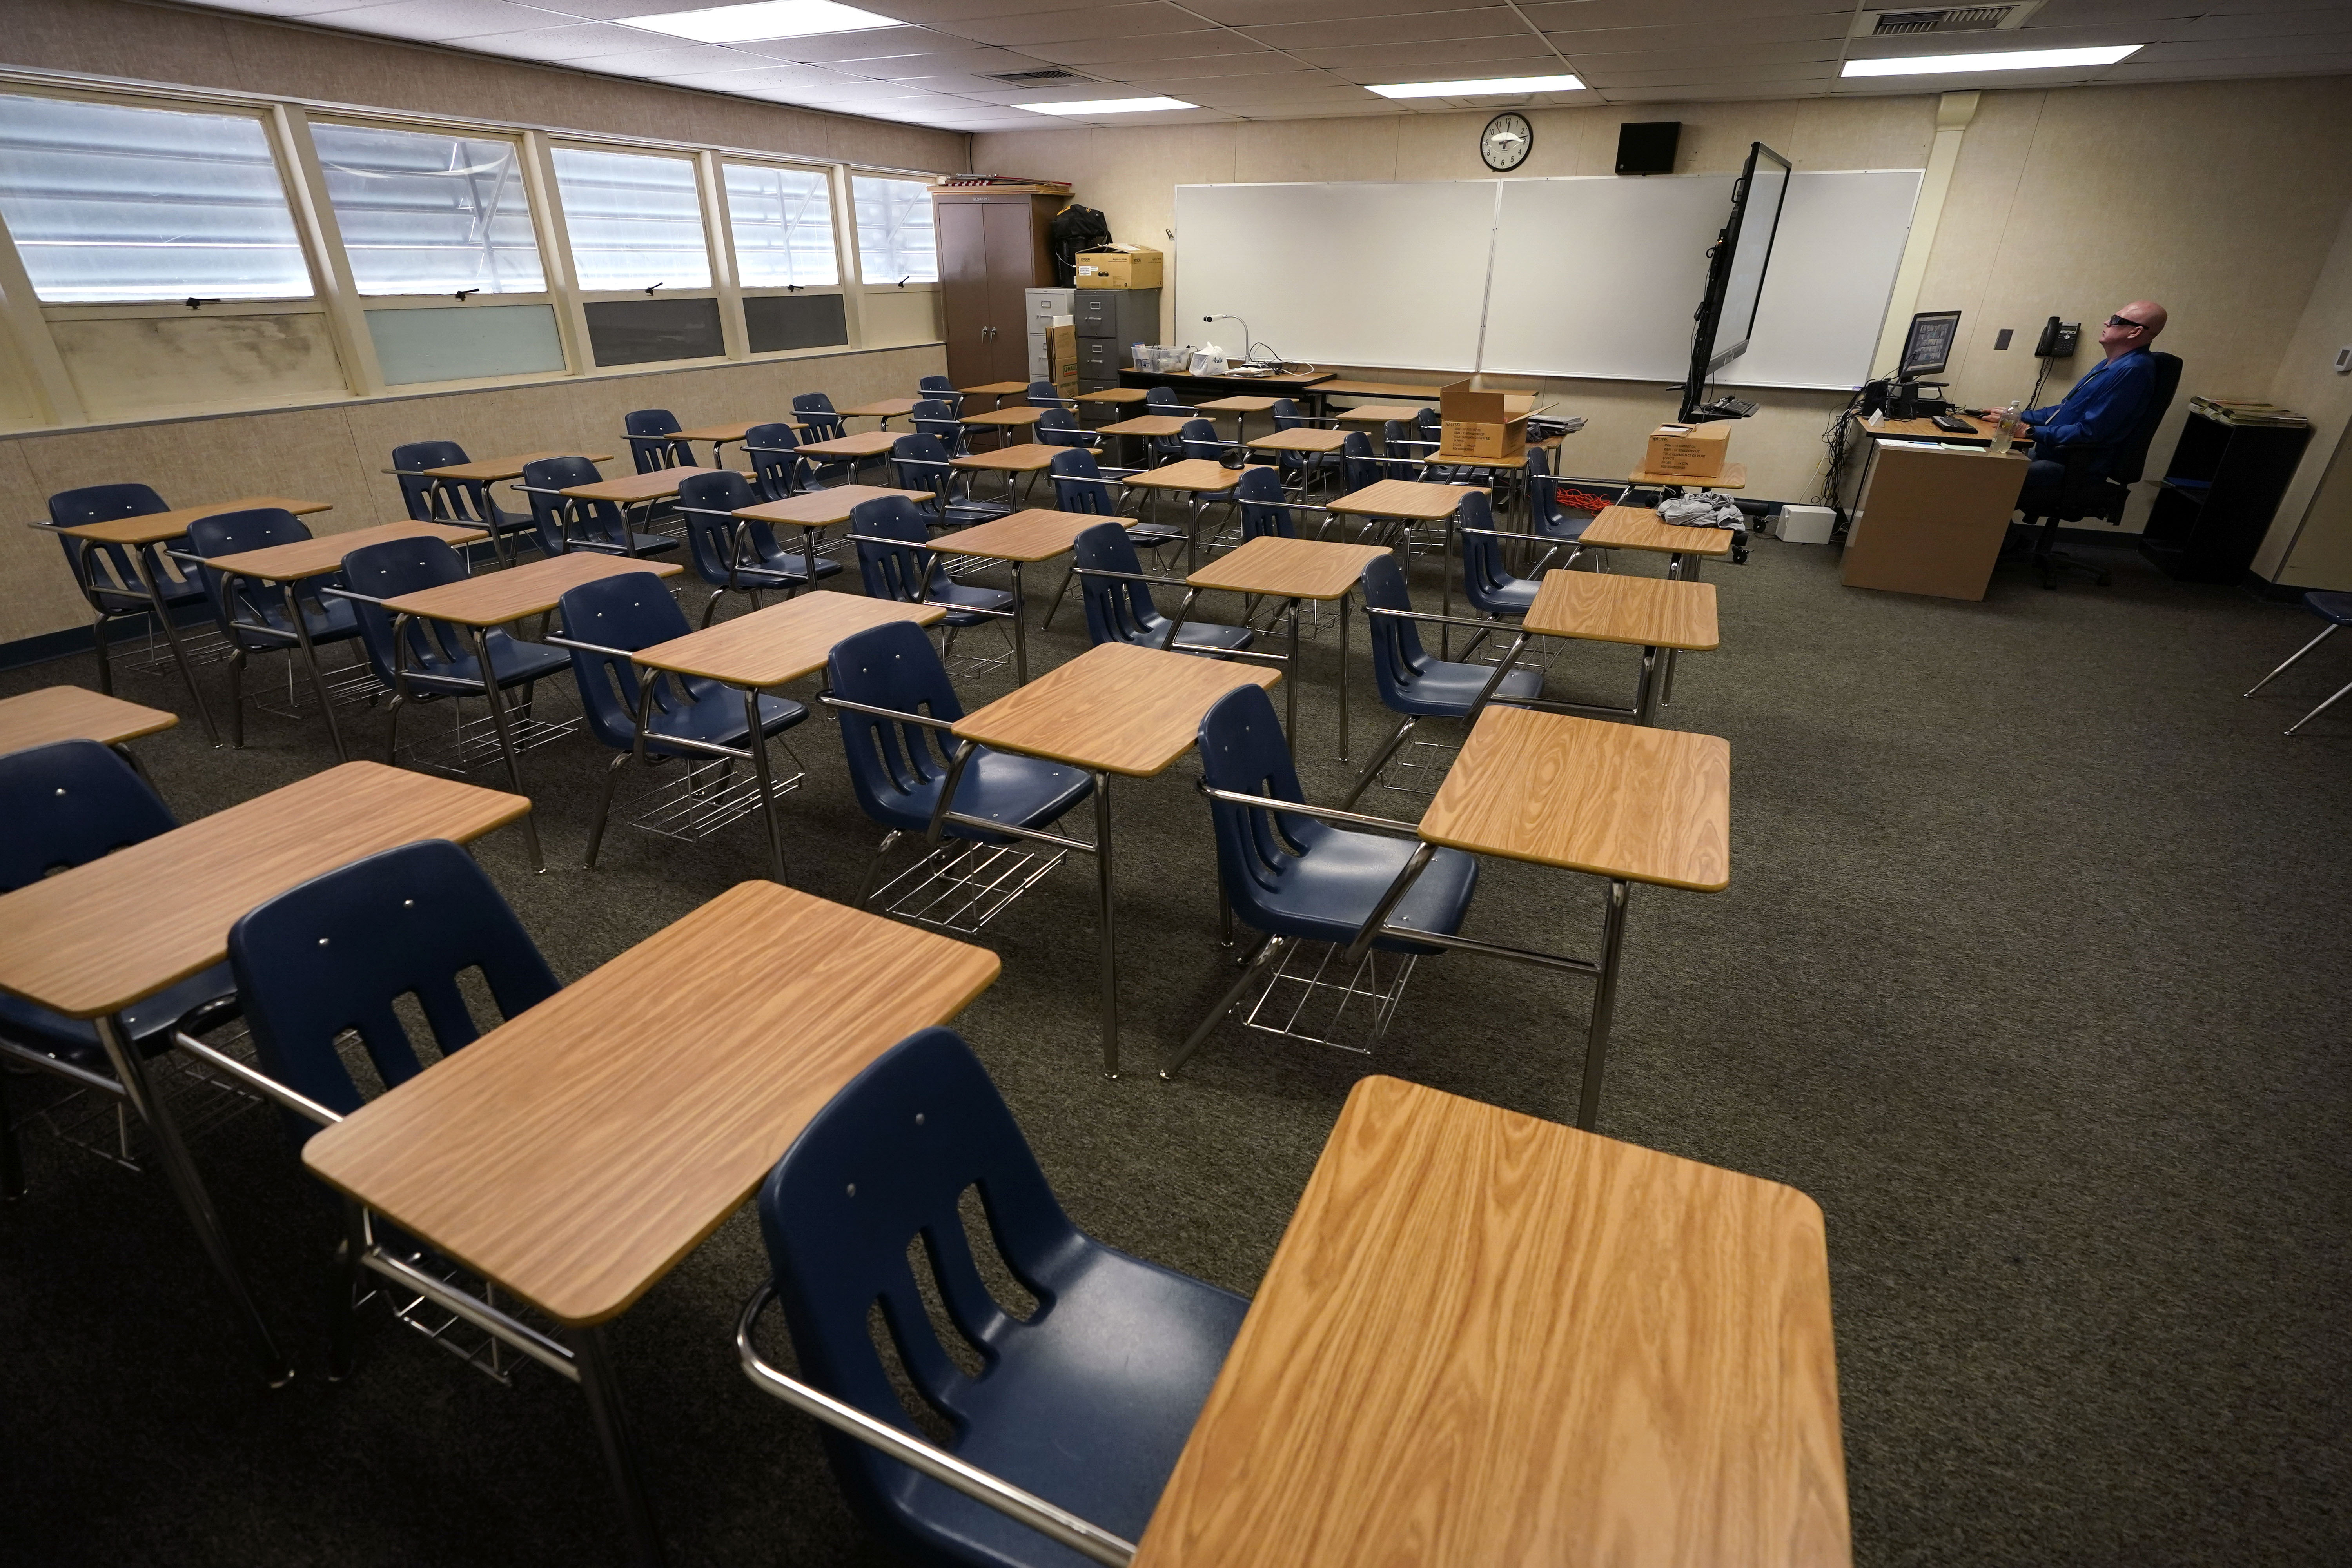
[(1044, 305), (1109, 319)]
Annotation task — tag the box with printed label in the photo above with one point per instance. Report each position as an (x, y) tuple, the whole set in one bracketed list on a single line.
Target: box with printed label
[(1475, 423), (1119, 267), (1062, 354), (1689, 451)]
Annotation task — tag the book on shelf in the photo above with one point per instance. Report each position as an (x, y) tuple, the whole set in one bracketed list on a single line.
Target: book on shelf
[(2245, 411)]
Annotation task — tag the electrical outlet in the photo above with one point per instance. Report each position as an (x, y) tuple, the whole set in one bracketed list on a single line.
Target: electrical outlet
[(2343, 362), (2001, 342)]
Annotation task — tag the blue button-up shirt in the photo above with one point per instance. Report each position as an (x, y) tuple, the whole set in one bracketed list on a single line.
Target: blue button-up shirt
[(2101, 410)]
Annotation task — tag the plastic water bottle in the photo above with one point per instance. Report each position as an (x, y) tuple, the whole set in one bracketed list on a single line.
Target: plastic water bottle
[(2004, 434)]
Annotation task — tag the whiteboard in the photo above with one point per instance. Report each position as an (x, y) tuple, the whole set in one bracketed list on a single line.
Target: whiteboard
[(1323, 271), (1594, 277)]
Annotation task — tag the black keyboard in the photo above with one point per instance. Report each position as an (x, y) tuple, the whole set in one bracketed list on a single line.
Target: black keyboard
[(1955, 424), (1728, 407)]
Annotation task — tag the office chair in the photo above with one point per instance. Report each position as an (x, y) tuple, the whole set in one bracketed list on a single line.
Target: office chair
[(2083, 494), (1081, 1404), (2336, 609)]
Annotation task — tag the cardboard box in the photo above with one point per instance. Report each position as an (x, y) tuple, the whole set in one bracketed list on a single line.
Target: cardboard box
[(1689, 451), (1119, 267), (1062, 355), (1475, 423)]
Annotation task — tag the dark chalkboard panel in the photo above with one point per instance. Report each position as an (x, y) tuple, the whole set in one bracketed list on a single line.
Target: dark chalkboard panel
[(780, 322), (632, 331)]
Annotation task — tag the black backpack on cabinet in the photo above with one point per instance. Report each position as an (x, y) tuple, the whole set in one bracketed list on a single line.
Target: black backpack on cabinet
[(1076, 228)]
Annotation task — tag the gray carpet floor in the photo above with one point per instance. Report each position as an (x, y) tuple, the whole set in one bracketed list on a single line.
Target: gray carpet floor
[(2032, 972)]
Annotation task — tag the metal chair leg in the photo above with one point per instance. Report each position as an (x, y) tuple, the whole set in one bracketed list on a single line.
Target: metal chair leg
[(1266, 946), (873, 867), (711, 608), (106, 666), (236, 700), (605, 805), (2323, 708), (11, 1162), (392, 728), (1378, 760), (1048, 624), (2325, 633), (342, 1304)]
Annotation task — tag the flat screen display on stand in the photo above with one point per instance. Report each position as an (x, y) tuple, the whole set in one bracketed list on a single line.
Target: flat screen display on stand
[(1734, 274)]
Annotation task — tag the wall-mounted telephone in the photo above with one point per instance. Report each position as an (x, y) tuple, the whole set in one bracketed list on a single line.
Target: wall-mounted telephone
[(2058, 340)]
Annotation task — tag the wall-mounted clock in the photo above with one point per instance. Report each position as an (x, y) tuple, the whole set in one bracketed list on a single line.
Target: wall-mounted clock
[(1506, 141)]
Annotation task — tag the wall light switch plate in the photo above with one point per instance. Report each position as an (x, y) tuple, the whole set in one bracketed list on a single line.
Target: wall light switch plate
[(2343, 362), (2002, 340)]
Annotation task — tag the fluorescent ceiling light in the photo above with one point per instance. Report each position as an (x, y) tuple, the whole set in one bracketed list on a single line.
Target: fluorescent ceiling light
[(2007, 60), (767, 19), (1484, 88), (1107, 106)]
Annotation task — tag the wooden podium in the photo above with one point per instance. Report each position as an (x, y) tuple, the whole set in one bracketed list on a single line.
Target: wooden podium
[(1930, 520)]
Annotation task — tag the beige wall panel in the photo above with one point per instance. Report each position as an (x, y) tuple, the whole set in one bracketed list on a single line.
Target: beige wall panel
[(1964, 271), (1282, 151), (903, 316), (2313, 535), (147, 43), (1861, 134), (163, 364), (37, 591), (2322, 548), (20, 404)]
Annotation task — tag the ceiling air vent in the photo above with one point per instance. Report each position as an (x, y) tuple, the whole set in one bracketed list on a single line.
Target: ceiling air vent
[(1945, 19), (1036, 77)]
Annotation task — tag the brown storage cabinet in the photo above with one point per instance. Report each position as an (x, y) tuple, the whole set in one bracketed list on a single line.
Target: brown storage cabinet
[(995, 242)]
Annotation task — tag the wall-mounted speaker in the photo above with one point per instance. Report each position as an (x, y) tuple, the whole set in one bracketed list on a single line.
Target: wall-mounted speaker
[(1647, 147)]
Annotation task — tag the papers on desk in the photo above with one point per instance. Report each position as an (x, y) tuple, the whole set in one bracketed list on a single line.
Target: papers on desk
[(1918, 445)]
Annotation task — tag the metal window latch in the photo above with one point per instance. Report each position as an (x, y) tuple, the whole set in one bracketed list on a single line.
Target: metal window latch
[(460, 295), (195, 303), (651, 287)]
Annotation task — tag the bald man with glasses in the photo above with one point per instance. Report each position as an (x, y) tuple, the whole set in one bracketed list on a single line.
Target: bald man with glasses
[(2101, 412)]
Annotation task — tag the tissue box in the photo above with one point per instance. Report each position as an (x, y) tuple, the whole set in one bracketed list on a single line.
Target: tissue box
[(1119, 267), (1689, 451)]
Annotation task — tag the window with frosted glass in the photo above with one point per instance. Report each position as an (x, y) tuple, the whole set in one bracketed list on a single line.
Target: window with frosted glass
[(111, 203), (783, 220), (427, 214), (635, 221), (895, 240)]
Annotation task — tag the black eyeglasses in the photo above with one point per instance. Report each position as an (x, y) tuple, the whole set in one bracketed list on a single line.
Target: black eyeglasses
[(2124, 321)]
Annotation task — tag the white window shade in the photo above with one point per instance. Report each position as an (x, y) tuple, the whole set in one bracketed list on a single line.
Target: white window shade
[(429, 214), (111, 203), (896, 241), (635, 221), (783, 220)]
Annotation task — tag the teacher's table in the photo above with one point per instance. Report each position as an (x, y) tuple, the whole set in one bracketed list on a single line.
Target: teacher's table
[(1192, 388), (1929, 514), (288, 565), (577, 1152), (1487, 1338), (766, 648), (140, 535), (1115, 708), (1649, 613), (1619, 801), (1017, 540), (478, 604), (95, 940), (1290, 570)]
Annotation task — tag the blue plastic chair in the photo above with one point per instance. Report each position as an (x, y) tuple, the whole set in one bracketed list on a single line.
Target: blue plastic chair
[(817, 412), (438, 659), (1413, 683), (939, 421), (336, 952), (736, 555), (1160, 402), (1045, 395), (1562, 508), (938, 388), (1488, 584), (899, 763), (565, 524), (1085, 1401), (648, 431), (1259, 499), (109, 581), (778, 471), (463, 501), (253, 617), (1290, 876), (921, 460), (2334, 608), (1119, 607), (1199, 439), (1057, 426), (1403, 443), (684, 715), (1299, 468), (906, 567)]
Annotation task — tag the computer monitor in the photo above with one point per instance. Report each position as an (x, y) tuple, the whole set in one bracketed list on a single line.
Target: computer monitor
[(1928, 346)]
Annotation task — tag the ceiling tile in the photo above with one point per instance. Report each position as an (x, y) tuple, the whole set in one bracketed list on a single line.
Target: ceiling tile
[(1608, 78), (286, 7), (1582, 15), (1281, 13), (2245, 48), (1268, 63), (1975, 43), (1421, 62), (952, 11), (1491, 21), (2237, 69), (1829, 28), (2263, 23), (433, 20), (1694, 94), (1174, 46), (562, 45), (871, 43), (1751, 53), (761, 77), (1096, 22), (654, 61), (964, 62), (2089, 13), (1317, 89)]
